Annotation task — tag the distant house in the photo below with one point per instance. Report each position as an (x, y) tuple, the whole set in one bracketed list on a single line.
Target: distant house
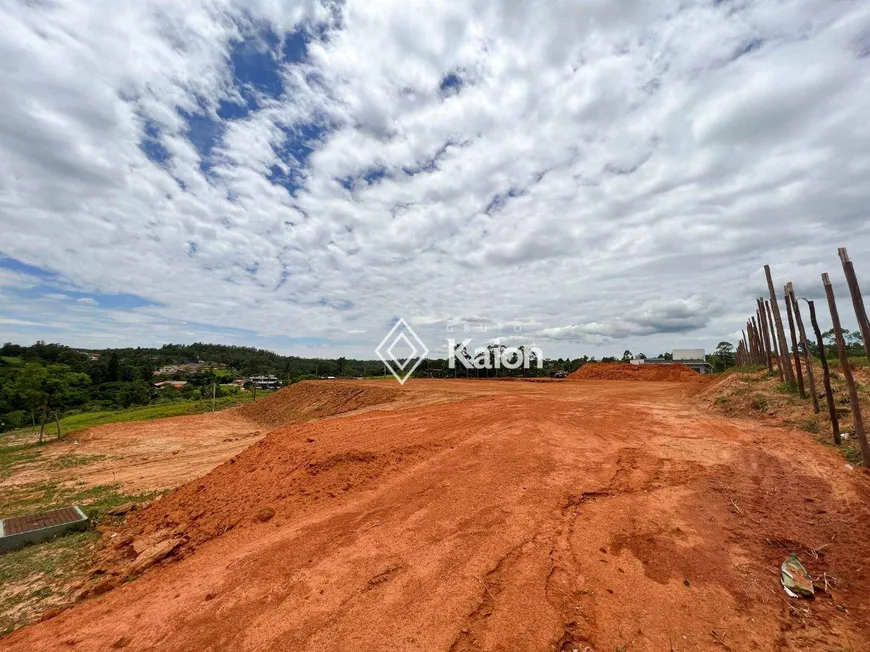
[(177, 384), (264, 382), (694, 358)]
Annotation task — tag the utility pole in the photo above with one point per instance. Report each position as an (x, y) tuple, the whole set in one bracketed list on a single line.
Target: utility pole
[(213, 394)]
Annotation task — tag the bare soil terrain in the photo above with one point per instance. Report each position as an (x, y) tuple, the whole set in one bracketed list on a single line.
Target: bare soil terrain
[(483, 515), (165, 453)]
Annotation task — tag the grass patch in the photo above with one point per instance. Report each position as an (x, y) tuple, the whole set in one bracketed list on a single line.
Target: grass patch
[(10, 360), (36, 578), (75, 422), (810, 425), (71, 461), (785, 388), (748, 373), (759, 402), (852, 453)]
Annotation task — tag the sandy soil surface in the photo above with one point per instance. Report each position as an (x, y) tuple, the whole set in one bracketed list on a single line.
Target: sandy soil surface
[(587, 515)]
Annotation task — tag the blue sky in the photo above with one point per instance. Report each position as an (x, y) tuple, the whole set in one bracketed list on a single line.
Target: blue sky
[(598, 176)]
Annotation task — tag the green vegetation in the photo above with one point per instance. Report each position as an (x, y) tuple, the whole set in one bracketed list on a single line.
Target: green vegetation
[(42, 383), (159, 411), (759, 402), (724, 357), (854, 345)]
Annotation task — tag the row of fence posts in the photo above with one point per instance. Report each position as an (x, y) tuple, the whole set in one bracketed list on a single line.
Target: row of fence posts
[(764, 343)]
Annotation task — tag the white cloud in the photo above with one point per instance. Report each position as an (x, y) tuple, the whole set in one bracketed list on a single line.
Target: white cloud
[(625, 168)]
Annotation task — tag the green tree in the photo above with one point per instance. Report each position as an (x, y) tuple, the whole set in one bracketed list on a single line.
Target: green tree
[(140, 392), (725, 352), (49, 389), (113, 370)]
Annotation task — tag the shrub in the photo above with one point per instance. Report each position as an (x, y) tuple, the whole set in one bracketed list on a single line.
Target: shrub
[(759, 402)]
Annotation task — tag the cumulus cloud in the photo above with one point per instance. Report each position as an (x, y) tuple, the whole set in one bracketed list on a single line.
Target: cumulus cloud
[(313, 170), (656, 316)]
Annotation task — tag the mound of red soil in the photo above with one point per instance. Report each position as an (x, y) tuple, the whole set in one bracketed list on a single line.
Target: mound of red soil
[(288, 466), (626, 371), (314, 400)]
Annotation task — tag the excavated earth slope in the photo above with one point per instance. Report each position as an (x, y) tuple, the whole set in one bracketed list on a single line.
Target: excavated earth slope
[(626, 371)]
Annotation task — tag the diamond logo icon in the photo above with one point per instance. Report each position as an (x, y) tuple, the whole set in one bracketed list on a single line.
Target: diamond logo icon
[(400, 339)]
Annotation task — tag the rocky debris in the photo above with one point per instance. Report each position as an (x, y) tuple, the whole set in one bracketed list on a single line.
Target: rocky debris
[(265, 514), (154, 554), (124, 541), (104, 587), (51, 613), (121, 510)]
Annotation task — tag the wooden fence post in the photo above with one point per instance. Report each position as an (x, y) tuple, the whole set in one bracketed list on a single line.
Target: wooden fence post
[(857, 299), (826, 374), (808, 358), (847, 372), (780, 332), (794, 345), (759, 356), (773, 340), (765, 333), (751, 340)]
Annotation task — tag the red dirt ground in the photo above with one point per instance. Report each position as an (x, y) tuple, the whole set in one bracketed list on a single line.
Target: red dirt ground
[(312, 400), (520, 516), (626, 371), (164, 453)]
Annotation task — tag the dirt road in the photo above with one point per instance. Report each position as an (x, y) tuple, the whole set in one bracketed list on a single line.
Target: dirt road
[(561, 516)]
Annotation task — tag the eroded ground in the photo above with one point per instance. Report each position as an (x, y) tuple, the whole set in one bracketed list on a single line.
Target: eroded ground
[(501, 516)]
